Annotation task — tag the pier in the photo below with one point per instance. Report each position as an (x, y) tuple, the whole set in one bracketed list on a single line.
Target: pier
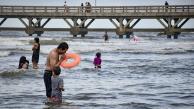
[(78, 18)]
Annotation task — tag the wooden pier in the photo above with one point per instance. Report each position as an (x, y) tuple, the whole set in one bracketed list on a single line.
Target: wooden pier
[(124, 18)]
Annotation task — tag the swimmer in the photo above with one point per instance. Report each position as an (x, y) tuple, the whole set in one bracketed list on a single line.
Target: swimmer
[(23, 63), (135, 38)]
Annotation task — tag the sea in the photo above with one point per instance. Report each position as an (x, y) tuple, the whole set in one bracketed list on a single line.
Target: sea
[(151, 73)]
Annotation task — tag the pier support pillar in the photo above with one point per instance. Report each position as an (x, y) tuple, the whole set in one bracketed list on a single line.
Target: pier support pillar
[(122, 28), (79, 28), (176, 36), (83, 26), (75, 31), (38, 25), (172, 26), (128, 34), (34, 27), (168, 36), (29, 31), (29, 28), (120, 32), (1, 22), (130, 25), (120, 36), (83, 33), (176, 22)]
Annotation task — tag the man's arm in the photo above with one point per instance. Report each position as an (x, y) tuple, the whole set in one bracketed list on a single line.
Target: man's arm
[(54, 60)]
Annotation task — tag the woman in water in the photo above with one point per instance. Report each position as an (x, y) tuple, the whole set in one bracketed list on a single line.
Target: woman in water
[(23, 63), (36, 51)]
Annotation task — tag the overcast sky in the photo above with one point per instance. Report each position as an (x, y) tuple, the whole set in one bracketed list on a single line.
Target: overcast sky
[(97, 23), (98, 2)]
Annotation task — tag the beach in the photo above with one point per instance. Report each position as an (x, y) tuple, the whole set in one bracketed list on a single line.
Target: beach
[(152, 73)]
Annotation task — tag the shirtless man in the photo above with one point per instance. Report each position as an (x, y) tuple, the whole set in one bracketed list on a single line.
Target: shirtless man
[(53, 61)]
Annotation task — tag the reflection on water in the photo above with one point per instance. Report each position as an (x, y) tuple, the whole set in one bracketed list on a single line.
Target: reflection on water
[(149, 74)]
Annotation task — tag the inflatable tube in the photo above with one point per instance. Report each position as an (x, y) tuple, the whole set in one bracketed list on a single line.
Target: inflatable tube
[(75, 60)]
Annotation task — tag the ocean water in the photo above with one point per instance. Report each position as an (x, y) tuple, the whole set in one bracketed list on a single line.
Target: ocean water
[(152, 73)]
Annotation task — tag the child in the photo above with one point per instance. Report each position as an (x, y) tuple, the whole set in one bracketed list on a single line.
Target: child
[(97, 60), (57, 86), (36, 51), (23, 63)]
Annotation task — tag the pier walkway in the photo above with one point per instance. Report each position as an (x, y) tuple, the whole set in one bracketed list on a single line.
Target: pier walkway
[(78, 18)]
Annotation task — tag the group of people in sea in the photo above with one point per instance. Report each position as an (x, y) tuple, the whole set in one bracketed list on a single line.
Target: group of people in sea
[(53, 82), (24, 63)]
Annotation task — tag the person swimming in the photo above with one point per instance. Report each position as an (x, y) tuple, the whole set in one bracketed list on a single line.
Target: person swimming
[(134, 38), (23, 63)]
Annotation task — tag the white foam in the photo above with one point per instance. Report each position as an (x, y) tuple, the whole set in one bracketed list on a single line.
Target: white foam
[(12, 41), (98, 45), (47, 48), (4, 53), (95, 45), (159, 46)]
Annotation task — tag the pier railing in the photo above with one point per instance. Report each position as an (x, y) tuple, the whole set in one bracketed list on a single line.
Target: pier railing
[(97, 11), (78, 18)]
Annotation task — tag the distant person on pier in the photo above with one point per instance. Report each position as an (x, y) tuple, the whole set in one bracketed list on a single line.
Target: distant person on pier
[(106, 36), (36, 52), (82, 7), (97, 61), (166, 6), (88, 7), (65, 7)]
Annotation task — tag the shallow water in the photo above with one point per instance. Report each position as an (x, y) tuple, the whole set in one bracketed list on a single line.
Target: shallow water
[(153, 73)]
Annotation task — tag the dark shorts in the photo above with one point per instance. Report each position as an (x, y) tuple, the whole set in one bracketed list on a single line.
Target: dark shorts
[(47, 82), (35, 57)]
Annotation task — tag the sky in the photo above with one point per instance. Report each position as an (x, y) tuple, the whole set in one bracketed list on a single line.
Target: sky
[(145, 23), (98, 2)]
